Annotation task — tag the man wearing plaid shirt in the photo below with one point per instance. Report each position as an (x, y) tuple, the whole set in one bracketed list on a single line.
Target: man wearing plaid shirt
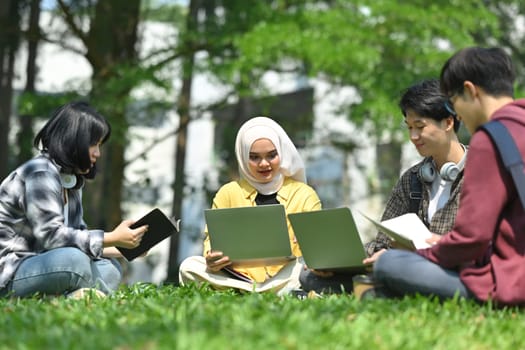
[(430, 188)]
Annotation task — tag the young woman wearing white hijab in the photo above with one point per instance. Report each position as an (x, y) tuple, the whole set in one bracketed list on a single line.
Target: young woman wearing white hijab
[(271, 172)]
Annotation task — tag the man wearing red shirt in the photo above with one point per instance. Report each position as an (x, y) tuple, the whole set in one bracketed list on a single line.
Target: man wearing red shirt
[(483, 256)]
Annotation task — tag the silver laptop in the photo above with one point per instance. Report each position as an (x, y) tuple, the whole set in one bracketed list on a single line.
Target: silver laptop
[(250, 236), (329, 240)]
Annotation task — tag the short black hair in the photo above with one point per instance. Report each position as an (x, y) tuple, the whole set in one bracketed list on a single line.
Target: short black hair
[(68, 134), (426, 99), (489, 68)]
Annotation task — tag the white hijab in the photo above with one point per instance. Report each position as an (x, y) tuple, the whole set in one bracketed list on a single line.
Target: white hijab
[(291, 162)]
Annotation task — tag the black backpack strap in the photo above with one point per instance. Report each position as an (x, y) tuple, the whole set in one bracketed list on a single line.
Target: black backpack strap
[(510, 155), (416, 189)]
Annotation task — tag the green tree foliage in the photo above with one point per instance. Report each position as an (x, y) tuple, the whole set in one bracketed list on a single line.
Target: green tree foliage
[(162, 11), (378, 47), (511, 35)]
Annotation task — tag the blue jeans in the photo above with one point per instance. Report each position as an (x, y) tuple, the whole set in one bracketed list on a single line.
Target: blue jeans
[(401, 272), (64, 270)]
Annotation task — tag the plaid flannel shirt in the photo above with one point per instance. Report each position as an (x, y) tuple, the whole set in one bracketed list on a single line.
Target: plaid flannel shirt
[(399, 204), (32, 216)]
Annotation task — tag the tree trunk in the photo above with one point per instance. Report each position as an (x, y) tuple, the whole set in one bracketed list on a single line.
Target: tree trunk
[(111, 47), (25, 135), (388, 159), (183, 110), (9, 27)]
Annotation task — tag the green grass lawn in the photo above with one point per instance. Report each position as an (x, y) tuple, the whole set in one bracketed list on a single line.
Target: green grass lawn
[(150, 317)]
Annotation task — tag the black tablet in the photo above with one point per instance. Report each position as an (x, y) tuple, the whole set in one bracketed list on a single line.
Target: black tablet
[(160, 228)]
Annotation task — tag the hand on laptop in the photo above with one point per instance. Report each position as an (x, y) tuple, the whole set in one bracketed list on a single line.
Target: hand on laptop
[(215, 260)]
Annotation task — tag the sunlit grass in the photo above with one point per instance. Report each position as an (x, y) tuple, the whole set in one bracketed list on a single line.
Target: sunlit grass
[(150, 317)]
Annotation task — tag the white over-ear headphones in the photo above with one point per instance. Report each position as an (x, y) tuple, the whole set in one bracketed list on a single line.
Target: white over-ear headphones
[(449, 171), (68, 180), (427, 171)]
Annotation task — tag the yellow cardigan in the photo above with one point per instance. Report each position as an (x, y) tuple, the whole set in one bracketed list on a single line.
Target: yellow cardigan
[(294, 195)]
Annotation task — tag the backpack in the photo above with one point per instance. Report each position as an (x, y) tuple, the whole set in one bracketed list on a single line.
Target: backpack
[(416, 189), (509, 154)]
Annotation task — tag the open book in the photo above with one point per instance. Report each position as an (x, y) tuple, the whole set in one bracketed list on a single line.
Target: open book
[(160, 227), (407, 230)]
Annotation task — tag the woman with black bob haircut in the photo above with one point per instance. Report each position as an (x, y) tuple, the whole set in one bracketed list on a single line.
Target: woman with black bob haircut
[(69, 133), (45, 245)]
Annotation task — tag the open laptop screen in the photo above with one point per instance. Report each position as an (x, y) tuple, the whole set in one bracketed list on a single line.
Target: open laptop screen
[(329, 240), (250, 236)]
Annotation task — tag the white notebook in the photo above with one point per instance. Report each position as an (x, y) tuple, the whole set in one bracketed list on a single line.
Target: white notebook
[(408, 230)]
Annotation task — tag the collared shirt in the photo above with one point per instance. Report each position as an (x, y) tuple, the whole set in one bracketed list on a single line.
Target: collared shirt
[(295, 196), (32, 202), (399, 204)]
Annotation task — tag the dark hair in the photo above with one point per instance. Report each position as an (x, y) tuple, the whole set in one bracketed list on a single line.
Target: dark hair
[(426, 99), (68, 134), (489, 68)]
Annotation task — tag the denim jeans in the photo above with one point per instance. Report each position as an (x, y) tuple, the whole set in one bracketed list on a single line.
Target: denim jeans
[(401, 272), (64, 270)]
